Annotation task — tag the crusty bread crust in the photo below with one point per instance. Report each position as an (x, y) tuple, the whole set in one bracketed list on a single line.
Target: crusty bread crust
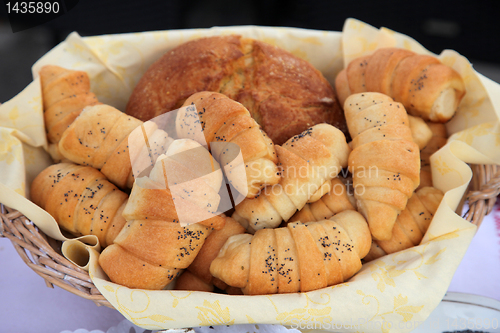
[(285, 94)]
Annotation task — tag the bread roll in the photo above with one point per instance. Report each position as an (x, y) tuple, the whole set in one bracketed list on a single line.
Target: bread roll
[(198, 275), (229, 131), (426, 87), (284, 94), (98, 137), (420, 131), (411, 224), (335, 201), (170, 214), (307, 161), (81, 200), (385, 162), (296, 258), (64, 93), (438, 140)]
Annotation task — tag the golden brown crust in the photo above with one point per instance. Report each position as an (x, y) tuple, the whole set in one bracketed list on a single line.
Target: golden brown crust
[(426, 87), (117, 223), (296, 258), (80, 199), (65, 197), (220, 118), (263, 276), (438, 140), (355, 71), (284, 93), (128, 270), (190, 282), (332, 265), (107, 217), (355, 226), (161, 242), (99, 137), (411, 224), (385, 162), (342, 87), (307, 160), (214, 242), (375, 252), (189, 68), (398, 242), (60, 115), (59, 83), (405, 73), (158, 204), (380, 69), (64, 93), (335, 201), (313, 274)]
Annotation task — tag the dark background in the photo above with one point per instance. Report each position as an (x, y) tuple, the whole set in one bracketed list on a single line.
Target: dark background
[(470, 27)]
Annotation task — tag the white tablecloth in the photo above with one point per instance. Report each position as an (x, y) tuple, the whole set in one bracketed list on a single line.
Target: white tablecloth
[(27, 305)]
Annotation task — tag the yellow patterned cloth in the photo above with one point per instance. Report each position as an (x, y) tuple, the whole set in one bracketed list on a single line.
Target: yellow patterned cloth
[(392, 294)]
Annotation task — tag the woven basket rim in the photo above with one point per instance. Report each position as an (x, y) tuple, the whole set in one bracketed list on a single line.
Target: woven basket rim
[(42, 253)]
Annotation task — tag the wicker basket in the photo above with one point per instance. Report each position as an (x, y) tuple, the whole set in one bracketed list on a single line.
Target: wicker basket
[(43, 254)]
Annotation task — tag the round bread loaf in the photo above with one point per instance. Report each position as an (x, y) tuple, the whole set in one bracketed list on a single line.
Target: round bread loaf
[(285, 94)]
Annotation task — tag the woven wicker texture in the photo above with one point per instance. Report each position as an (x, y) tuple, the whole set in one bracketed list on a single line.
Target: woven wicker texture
[(43, 254)]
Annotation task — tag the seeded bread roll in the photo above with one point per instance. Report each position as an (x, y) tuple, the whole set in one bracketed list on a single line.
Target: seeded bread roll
[(411, 224), (335, 201), (175, 190), (229, 130), (426, 87), (64, 93), (385, 162), (149, 254), (198, 275), (284, 94), (307, 161), (296, 258), (99, 137), (81, 200), (170, 214)]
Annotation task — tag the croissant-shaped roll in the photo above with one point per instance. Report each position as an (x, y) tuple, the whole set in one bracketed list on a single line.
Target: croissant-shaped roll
[(385, 162), (438, 140), (307, 161), (175, 190), (230, 125), (426, 87), (296, 258), (64, 93), (411, 224), (335, 201), (149, 254), (170, 213), (99, 138), (199, 277), (420, 131), (81, 200)]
